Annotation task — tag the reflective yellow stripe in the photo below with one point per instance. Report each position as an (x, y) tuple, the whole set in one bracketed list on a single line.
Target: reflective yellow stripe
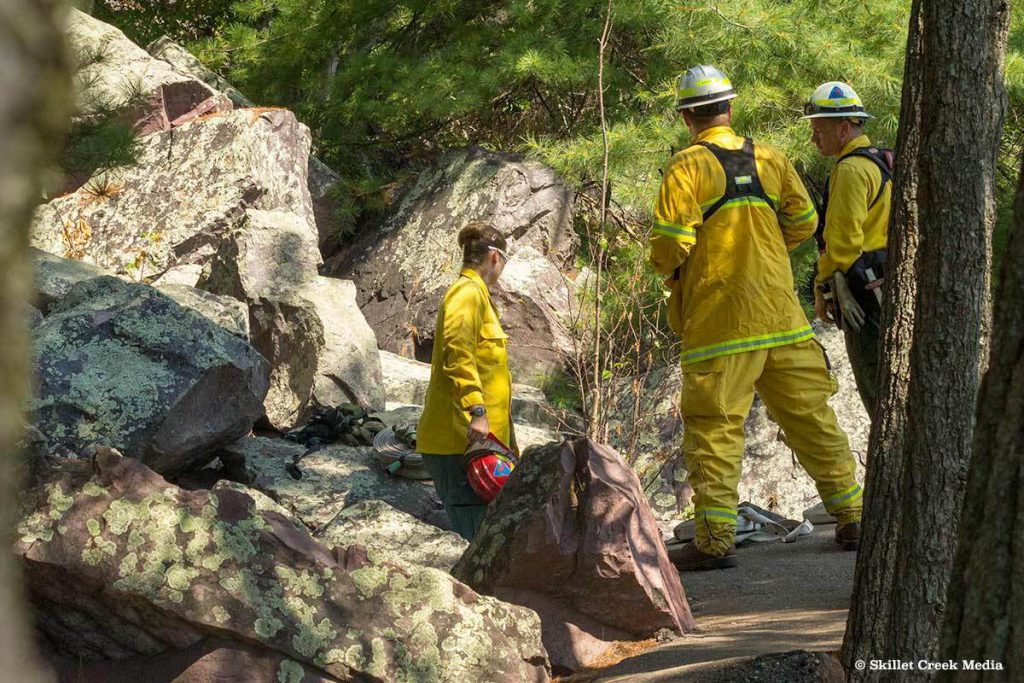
[(710, 511), (745, 201), (674, 230), (764, 341), (851, 494), (796, 220), (837, 102)]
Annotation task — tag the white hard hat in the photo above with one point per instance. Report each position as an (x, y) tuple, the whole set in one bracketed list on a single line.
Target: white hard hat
[(702, 85), (835, 100)]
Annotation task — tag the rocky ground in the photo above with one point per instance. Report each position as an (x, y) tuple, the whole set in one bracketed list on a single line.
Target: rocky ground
[(196, 304)]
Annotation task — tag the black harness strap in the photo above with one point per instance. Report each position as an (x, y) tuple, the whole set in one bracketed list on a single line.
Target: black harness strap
[(882, 158), (741, 179)]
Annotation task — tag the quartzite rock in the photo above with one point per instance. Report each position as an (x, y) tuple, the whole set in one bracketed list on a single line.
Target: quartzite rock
[(115, 73), (320, 348), (120, 563), (403, 269), (191, 187), (125, 365), (348, 368), (322, 179), (571, 536)]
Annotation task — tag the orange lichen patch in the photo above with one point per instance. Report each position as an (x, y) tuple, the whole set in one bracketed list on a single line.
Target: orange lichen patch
[(257, 112), (620, 650), (75, 237)]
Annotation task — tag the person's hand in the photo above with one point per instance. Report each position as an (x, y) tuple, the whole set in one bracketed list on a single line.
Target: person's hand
[(479, 428), (851, 311), (821, 307)]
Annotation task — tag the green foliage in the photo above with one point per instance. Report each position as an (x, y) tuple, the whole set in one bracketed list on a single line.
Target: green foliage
[(99, 144), (562, 392), (146, 20), (386, 85)]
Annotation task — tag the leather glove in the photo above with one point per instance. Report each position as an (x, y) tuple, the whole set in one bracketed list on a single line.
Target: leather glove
[(852, 313), (823, 308)]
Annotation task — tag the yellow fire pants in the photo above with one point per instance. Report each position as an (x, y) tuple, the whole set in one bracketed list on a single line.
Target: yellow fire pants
[(795, 384)]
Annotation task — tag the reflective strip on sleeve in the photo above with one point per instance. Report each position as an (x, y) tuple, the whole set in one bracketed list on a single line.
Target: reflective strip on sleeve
[(797, 220), (675, 230), (764, 341)]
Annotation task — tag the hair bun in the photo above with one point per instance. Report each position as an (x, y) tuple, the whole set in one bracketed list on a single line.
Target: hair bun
[(472, 232)]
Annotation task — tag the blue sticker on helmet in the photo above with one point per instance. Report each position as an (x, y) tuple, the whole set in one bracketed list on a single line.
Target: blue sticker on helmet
[(837, 93), (502, 469)]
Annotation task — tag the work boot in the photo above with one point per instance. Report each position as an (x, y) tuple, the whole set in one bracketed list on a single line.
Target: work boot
[(690, 558), (848, 535)]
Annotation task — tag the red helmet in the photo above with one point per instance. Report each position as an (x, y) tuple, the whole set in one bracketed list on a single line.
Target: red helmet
[(488, 464)]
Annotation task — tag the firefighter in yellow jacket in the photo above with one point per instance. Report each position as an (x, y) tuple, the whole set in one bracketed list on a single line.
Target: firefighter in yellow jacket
[(853, 237), (728, 212), (470, 388)]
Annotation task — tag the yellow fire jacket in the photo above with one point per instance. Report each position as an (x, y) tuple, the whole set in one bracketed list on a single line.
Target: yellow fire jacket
[(736, 285), (469, 366), (851, 228)]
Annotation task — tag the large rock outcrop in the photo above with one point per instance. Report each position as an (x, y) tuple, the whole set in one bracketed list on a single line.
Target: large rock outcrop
[(190, 189), (320, 348), (571, 536), (119, 563), (125, 365), (322, 179), (771, 478), (403, 269), (116, 74)]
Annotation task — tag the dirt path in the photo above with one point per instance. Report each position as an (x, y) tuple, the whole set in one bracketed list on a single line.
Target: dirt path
[(780, 598)]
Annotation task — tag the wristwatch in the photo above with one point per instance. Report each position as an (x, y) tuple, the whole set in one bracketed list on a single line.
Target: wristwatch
[(478, 411)]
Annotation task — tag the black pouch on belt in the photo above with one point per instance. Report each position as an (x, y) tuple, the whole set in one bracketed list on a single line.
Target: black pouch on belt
[(859, 276)]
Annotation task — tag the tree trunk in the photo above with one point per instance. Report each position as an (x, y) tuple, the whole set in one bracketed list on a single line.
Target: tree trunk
[(33, 111), (985, 612), (926, 442), (866, 630)]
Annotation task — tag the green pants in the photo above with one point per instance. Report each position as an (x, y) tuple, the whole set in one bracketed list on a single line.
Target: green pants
[(864, 349), (464, 508)]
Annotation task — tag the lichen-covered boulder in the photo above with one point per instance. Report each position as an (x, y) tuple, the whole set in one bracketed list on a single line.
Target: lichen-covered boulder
[(213, 660), (403, 269), (54, 276), (116, 73), (571, 536), (322, 179), (771, 477), (190, 188), (391, 535), (119, 563), (122, 364), (333, 478), (224, 311)]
